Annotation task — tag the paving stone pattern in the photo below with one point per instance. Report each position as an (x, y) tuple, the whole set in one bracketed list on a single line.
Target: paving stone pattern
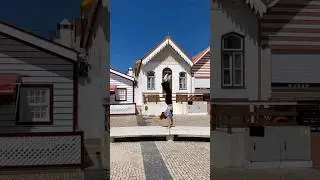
[(154, 166), (126, 161), (179, 120), (162, 160), (186, 160)]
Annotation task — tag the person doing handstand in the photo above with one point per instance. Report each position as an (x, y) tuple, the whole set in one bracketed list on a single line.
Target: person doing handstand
[(168, 113)]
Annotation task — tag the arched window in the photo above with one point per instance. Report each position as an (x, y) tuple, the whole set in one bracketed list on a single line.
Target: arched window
[(232, 60), (150, 80), (182, 81)]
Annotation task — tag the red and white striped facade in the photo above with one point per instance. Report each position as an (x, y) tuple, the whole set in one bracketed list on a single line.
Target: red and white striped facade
[(292, 26), (201, 64)]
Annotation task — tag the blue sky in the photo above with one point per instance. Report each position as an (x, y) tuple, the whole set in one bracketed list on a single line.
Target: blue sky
[(40, 16), (138, 25)]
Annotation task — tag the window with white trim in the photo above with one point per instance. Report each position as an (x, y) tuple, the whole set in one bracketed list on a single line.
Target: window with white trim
[(121, 94), (151, 80), (182, 81), (232, 61), (34, 104)]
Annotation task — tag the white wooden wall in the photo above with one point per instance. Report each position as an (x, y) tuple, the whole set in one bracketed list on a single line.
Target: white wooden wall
[(122, 82), (41, 68), (166, 58)]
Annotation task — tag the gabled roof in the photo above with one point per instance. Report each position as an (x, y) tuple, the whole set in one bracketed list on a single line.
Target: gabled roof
[(167, 41), (121, 74), (38, 41), (200, 55)]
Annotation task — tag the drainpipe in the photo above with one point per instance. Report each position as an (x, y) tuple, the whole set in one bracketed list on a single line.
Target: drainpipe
[(259, 58)]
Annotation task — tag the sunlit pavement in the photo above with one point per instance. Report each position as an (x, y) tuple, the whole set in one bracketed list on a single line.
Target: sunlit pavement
[(160, 160)]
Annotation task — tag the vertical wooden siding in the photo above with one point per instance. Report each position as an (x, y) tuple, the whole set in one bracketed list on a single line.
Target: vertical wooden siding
[(42, 68)]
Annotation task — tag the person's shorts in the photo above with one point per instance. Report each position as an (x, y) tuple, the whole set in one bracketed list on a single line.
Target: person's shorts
[(169, 111)]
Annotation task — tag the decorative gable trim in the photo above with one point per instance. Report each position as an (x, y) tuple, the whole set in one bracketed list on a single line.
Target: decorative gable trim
[(167, 42), (121, 74)]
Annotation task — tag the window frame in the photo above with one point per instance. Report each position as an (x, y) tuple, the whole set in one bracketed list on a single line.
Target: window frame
[(126, 94), (154, 80), (232, 69), (50, 108), (185, 80)]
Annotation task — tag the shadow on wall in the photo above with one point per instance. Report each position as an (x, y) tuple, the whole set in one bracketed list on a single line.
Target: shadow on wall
[(234, 15)]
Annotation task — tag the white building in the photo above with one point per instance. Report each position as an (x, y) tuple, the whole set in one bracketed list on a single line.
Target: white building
[(122, 93), (166, 58), (38, 101), (201, 72), (90, 35), (266, 52)]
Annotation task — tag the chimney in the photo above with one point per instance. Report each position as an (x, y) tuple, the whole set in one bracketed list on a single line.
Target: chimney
[(130, 72), (65, 29)]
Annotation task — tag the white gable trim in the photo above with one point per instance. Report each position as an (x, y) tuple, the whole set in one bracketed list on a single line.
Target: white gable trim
[(167, 42), (259, 7), (121, 74), (39, 42), (208, 50)]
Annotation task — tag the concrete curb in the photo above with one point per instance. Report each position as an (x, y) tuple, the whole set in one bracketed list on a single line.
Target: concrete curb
[(155, 132)]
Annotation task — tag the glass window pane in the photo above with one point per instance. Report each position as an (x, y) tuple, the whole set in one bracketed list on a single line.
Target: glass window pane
[(226, 60), (36, 114), (238, 77), (232, 42), (238, 60), (226, 77), (44, 114), (37, 99), (30, 100)]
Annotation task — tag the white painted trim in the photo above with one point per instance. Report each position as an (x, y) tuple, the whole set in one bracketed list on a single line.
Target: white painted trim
[(198, 114), (196, 61), (45, 44), (273, 3), (167, 42), (258, 5), (121, 74)]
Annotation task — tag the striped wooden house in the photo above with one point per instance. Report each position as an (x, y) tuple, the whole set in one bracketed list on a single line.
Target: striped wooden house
[(38, 101), (275, 45), (201, 71), (268, 51), (121, 93)]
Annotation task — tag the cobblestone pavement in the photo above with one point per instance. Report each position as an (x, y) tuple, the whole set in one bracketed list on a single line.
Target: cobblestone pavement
[(126, 161), (166, 160), (179, 120)]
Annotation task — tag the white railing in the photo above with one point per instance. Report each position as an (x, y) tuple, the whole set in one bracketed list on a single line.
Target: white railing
[(41, 149)]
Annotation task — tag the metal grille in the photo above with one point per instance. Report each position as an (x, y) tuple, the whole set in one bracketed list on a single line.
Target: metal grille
[(40, 150)]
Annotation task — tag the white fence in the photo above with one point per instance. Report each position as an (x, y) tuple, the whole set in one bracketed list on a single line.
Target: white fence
[(41, 149), (122, 109)]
